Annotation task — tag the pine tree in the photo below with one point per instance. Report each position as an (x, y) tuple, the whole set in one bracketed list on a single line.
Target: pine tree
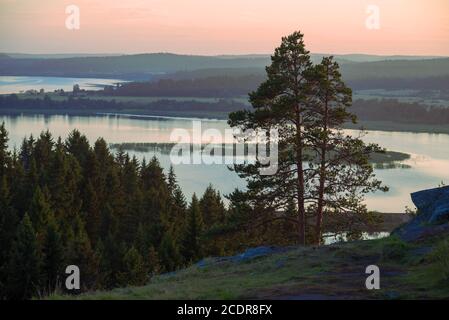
[(24, 264), (341, 173), (280, 103), (318, 167)]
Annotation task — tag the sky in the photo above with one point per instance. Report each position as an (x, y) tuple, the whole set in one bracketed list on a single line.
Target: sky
[(210, 27)]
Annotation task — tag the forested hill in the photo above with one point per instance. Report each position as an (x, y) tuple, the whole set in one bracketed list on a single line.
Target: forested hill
[(125, 65), (143, 66)]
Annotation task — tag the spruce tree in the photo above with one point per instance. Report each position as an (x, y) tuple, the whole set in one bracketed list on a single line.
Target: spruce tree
[(192, 244), (78, 146), (212, 207), (52, 256), (169, 254), (24, 263), (79, 252), (8, 225), (178, 207), (39, 211), (135, 272)]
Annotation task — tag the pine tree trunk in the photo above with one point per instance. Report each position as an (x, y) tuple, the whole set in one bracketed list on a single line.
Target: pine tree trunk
[(320, 206), (319, 219), (300, 182)]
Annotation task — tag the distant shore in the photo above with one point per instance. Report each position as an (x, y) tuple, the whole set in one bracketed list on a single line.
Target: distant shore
[(220, 115), (92, 104)]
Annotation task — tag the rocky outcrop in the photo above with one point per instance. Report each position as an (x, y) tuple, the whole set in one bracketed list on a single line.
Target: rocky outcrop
[(432, 218)]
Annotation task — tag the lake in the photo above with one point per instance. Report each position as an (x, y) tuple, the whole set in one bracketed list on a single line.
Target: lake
[(429, 152), (13, 84)]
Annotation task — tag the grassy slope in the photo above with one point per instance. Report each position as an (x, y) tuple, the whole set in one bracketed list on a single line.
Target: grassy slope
[(331, 272)]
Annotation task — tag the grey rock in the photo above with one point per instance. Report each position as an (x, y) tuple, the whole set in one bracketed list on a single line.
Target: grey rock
[(247, 255), (433, 217)]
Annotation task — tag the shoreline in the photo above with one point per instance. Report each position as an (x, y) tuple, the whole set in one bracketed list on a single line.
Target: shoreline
[(387, 126)]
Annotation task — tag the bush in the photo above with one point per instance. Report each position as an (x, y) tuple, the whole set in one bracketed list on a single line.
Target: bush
[(440, 257), (395, 249)]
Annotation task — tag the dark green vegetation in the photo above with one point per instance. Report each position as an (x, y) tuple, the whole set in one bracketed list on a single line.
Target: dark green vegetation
[(119, 220), (384, 158), (407, 270), (12, 104)]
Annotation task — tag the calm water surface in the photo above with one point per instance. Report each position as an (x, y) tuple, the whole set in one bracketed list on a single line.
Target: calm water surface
[(429, 161)]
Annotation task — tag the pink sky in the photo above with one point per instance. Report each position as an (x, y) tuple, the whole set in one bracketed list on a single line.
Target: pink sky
[(415, 27)]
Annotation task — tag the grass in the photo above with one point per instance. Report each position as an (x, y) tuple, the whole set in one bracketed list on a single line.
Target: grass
[(332, 272)]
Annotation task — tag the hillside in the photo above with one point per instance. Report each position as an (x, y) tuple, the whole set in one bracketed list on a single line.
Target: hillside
[(413, 263), (408, 271), (145, 66)]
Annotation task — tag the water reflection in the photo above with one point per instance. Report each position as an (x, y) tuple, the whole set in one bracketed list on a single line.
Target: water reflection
[(429, 161)]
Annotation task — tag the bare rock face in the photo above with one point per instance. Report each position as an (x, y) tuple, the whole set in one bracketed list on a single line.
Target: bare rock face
[(432, 218)]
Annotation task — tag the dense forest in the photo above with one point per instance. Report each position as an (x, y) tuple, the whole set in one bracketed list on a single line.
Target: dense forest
[(366, 110), (234, 84), (401, 112), (85, 105), (219, 86), (148, 66), (118, 219)]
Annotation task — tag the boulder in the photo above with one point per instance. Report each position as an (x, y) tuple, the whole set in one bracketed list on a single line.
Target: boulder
[(247, 255), (433, 215)]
